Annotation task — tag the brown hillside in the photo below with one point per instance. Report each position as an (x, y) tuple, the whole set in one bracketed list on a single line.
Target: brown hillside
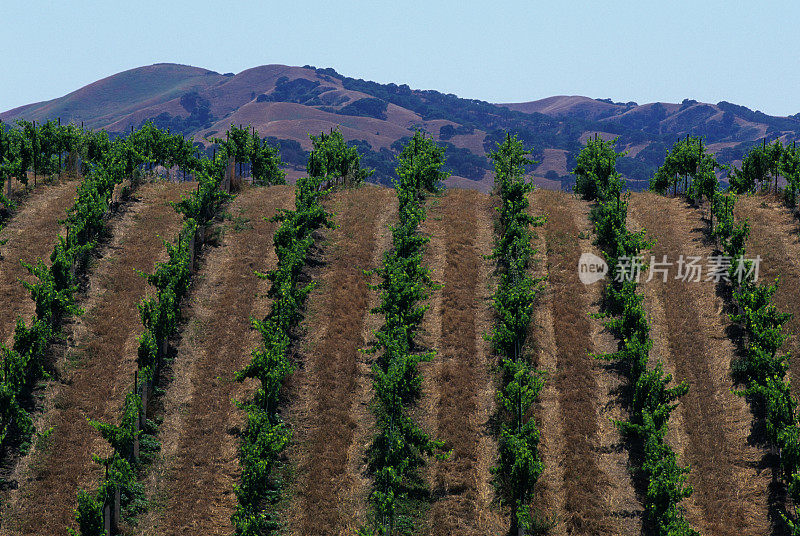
[(101, 103), (562, 105), (289, 103)]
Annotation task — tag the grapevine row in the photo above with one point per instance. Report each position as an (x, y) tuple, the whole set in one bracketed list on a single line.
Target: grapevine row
[(518, 464), (763, 367), (160, 316), (649, 400), (265, 435), (54, 296), (399, 445), (49, 148), (106, 163)]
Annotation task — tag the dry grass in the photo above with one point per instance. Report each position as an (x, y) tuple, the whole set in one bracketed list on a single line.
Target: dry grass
[(328, 386), (729, 494), (548, 495), (31, 234), (585, 482), (105, 343), (462, 367), (199, 465), (585, 485), (774, 235)]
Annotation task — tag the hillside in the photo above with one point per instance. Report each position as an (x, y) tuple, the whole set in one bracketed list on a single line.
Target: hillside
[(586, 483), (289, 103)]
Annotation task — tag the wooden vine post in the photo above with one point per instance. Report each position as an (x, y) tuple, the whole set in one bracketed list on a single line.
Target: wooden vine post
[(8, 187), (107, 520), (192, 243), (117, 513), (145, 396), (226, 184), (34, 153), (59, 149), (136, 422)]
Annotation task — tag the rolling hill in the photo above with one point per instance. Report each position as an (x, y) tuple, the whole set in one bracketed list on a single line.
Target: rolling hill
[(288, 103)]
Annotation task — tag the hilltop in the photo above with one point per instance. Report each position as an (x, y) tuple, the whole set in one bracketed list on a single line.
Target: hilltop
[(288, 103)]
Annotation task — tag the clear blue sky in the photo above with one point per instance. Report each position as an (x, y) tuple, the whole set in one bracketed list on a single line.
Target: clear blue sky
[(743, 52)]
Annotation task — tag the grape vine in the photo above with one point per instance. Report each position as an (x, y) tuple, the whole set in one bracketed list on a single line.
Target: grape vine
[(650, 400)]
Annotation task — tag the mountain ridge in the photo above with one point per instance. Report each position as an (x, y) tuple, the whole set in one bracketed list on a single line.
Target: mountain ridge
[(287, 103)]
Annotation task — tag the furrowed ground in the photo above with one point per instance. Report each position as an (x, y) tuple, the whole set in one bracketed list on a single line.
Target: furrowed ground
[(97, 371), (710, 429), (330, 392), (462, 400), (774, 235), (31, 234), (191, 487), (585, 484)]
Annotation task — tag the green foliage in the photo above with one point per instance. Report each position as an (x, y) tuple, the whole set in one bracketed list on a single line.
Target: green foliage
[(53, 289), (595, 167), (106, 164), (419, 168), (762, 368), (247, 147), (789, 167), (689, 169), (265, 436), (89, 515), (333, 161), (159, 315), (518, 464), (761, 162), (121, 436), (203, 203), (400, 446), (266, 163), (650, 399)]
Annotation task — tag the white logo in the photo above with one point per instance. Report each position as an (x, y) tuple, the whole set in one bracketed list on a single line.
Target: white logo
[(591, 268)]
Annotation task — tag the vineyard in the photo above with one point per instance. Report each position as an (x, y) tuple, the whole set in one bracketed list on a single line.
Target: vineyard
[(192, 346)]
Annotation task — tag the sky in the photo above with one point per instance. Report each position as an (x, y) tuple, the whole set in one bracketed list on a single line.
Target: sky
[(515, 51)]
